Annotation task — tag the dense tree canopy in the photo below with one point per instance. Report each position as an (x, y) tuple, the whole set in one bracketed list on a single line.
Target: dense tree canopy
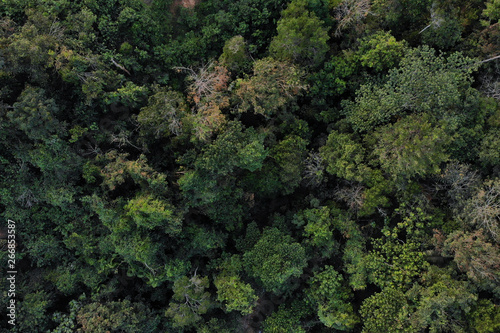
[(250, 165)]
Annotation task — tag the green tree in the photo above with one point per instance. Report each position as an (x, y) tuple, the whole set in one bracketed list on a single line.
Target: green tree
[(190, 301), (212, 184), (392, 264), (273, 85), (397, 259), (289, 154), (214, 325), (235, 293), (403, 16), (319, 228), (235, 55), (33, 311), (274, 259), (46, 250), (380, 51), (332, 297), (131, 217), (344, 156), (285, 319), (118, 316), (301, 36), (36, 115), (424, 82), (442, 302), (149, 212), (120, 171), (163, 114), (444, 30), (235, 148), (333, 80), (386, 311), (485, 318), (411, 147), (489, 153), (30, 48)]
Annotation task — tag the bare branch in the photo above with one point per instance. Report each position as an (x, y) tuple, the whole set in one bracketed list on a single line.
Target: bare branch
[(350, 12), (120, 66), (314, 169)]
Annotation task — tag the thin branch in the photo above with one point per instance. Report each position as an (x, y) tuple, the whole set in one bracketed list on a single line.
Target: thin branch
[(490, 59), (119, 66), (427, 27)]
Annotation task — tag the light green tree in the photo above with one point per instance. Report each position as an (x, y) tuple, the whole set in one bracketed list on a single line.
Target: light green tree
[(386, 311), (333, 300), (231, 290), (190, 301), (380, 51)]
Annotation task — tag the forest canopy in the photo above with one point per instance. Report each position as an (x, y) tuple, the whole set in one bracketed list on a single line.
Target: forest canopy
[(277, 166)]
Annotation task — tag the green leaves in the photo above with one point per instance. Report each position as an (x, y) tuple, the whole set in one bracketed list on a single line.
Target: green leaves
[(232, 290), (333, 300), (285, 319), (289, 154), (397, 258), (212, 183), (273, 85), (123, 316), (424, 82), (234, 55), (394, 264), (234, 148), (274, 259), (489, 153), (238, 295), (442, 302), (301, 36), (344, 156), (380, 51), (485, 318), (411, 147), (283, 192), (35, 114), (149, 212), (190, 301), (386, 311)]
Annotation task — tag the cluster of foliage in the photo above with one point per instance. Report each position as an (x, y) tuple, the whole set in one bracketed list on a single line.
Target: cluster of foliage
[(251, 165)]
